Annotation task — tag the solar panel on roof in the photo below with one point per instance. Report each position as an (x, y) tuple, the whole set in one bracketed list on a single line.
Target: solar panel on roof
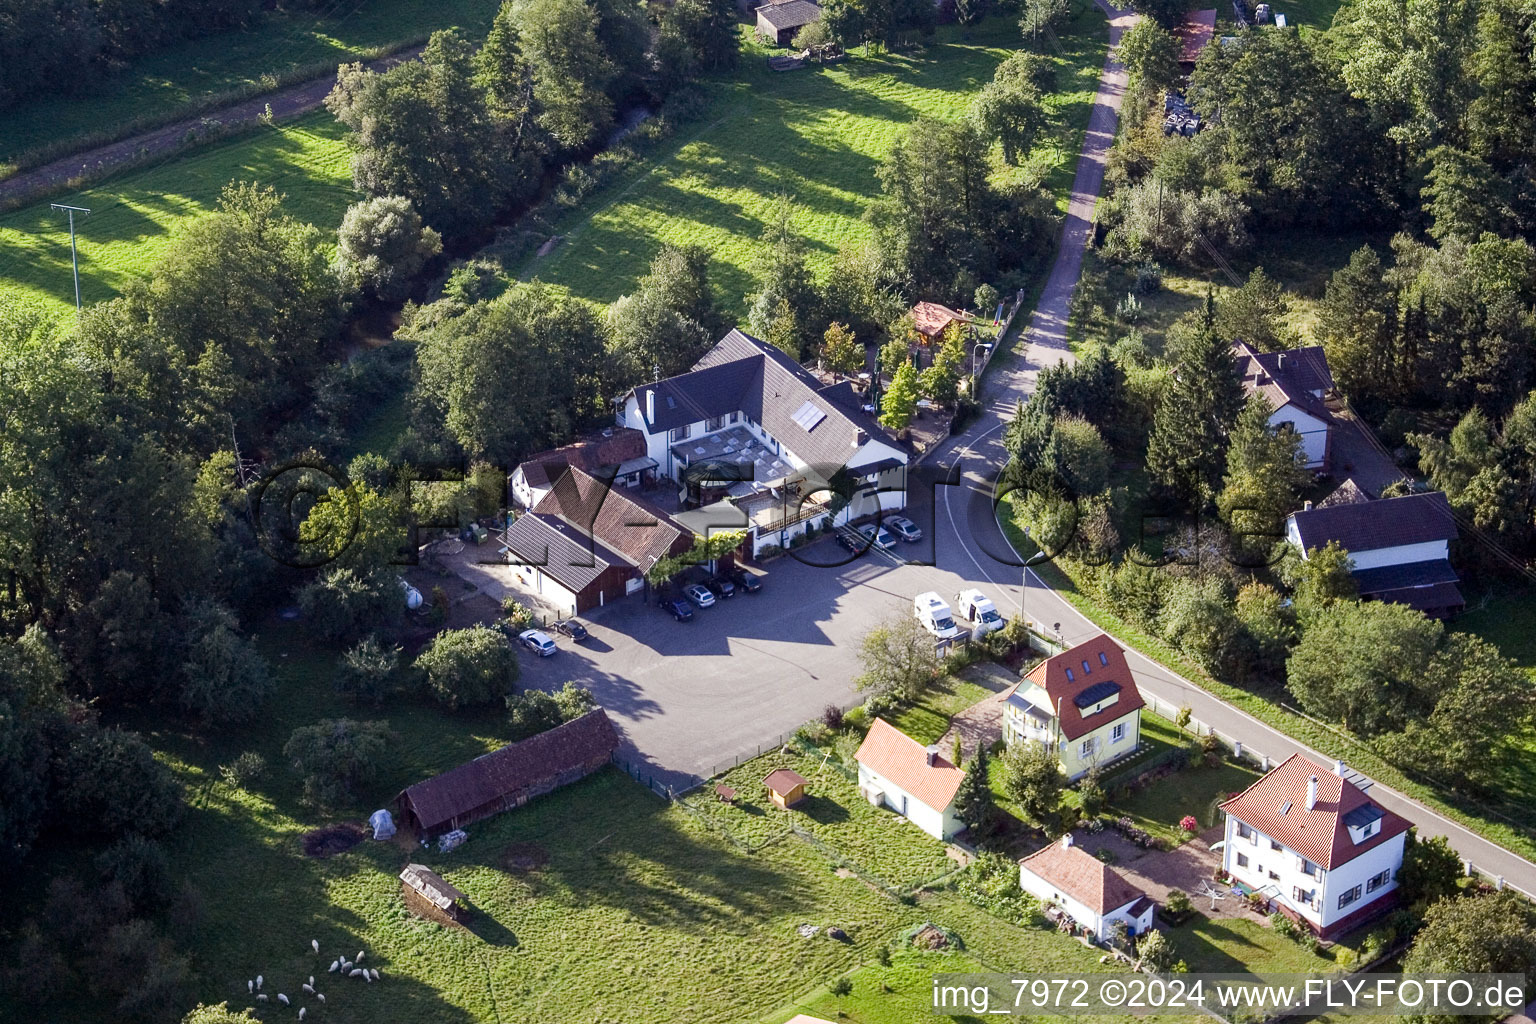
[(1096, 693), (808, 415)]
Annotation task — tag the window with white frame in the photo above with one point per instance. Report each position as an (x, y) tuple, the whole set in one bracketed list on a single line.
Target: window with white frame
[(1243, 831), (681, 433), (1242, 860), (1274, 844), (1304, 897), (1377, 881), (1087, 747), (1348, 896), (1306, 867), (714, 423), (1117, 733)]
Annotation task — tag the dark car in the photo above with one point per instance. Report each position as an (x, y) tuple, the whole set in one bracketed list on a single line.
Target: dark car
[(721, 587), (573, 628), (848, 543), (746, 581), (679, 610)]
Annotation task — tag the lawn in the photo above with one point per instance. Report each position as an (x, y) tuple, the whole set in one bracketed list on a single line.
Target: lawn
[(168, 83), (1160, 806), (873, 840), (1232, 945), (927, 718), (818, 135), (134, 216), (1507, 619)]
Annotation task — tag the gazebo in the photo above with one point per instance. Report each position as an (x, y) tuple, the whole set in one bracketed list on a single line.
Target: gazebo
[(786, 788)]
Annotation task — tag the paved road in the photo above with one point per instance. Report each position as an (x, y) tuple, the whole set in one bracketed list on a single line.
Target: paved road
[(286, 103)]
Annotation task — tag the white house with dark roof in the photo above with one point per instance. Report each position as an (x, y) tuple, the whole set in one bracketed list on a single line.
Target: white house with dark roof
[(754, 437), (1083, 704), (1087, 890), (1399, 548), (1294, 383), (1315, 845)]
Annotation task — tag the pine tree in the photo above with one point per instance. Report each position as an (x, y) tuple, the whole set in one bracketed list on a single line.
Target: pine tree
[(1265, 471), (1188, 447), (973, 801)]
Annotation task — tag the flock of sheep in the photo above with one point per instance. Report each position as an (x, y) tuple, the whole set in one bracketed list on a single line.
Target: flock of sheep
[(341, 964)]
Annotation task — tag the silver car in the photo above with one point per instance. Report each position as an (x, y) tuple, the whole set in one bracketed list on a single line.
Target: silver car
[(538, 642)]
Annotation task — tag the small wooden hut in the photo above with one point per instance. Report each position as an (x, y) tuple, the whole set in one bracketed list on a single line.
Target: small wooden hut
[(433, 896), (786, 788)]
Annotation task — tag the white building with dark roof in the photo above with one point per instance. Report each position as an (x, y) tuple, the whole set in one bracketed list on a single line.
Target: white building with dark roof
[(1399, 548), (755, 437), (1294, 383), (1315, 845)]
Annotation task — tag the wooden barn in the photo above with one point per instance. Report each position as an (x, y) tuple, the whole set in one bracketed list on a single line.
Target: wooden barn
[(431, 895), (778, 22), (509, 777)]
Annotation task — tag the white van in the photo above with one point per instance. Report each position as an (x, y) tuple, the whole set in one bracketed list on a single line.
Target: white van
[(974, 605), (933, 613)]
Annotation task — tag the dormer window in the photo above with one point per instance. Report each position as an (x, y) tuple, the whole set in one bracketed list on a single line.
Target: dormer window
[(1363, 822)]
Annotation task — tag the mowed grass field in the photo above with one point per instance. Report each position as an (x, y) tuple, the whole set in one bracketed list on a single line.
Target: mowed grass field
[(162, 84), (818, 135), (135, 215)]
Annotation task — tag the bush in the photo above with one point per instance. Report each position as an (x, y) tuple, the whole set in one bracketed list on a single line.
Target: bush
[(1189, 824), (369, 671), (856, 718), (140, 866), (467, 667), (1177, 903), (334, 756), (832, 717), (382, 245), (245, 769), (535, 711), (840, 986)]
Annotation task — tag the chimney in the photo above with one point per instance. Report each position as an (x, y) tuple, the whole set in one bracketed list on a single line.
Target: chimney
[(1338, 768), (931, 756), (1280, 361), (1066, 841), (1312, 793), (860, 438), (1306, 506), (650, 407)]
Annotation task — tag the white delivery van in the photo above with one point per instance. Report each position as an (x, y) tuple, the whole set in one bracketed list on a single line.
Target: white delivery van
[(978, 607), (933, 613)]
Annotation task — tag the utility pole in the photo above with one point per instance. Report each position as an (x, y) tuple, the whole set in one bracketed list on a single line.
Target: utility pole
[(74, 257)]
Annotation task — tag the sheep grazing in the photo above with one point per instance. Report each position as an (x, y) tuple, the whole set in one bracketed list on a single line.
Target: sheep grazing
[(311, 980), (375, 972), (359, 956), (316, 944), (346, 964), (258, 982), (261, 998), (301, 1013), (250, 986), (320, 996), (308, 988), (355, 972), (334, 964), (368, 977), (282, 999)]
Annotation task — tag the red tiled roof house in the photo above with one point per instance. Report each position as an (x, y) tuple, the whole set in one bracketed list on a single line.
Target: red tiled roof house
[(1315, 845), (915, 781), (1086, 889), (1082, 703)]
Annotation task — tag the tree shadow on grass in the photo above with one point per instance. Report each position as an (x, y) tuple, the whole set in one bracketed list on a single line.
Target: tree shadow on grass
[(823, 810)]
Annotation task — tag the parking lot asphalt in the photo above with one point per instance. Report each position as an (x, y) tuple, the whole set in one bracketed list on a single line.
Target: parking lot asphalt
[(693, 697)]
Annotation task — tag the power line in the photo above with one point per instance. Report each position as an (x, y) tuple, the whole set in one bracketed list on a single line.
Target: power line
[(74, 256)]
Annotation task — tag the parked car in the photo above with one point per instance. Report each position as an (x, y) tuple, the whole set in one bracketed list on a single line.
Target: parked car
[(538, 642), (750, 582), (878, 536), (721, 587), (934, 615), (699, 595), (979, 609), (573, 628), (679, 610), (905, 528), (848, 543)]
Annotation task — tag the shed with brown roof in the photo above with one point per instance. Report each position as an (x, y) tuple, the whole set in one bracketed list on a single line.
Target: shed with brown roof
[(932, 319), (431, 894), (511, 776), (1091, 892), (779, 21), (786, 787)]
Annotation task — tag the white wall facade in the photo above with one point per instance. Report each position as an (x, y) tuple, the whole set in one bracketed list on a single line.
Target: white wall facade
[(1099, 924), (939, 823), (1313, 431), (1400, 554), (1326, 885)]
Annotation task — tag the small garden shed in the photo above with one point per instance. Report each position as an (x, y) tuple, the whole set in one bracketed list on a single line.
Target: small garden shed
[(786, 788)]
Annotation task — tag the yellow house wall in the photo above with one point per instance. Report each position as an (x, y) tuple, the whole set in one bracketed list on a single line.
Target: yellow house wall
[(1075, 764)]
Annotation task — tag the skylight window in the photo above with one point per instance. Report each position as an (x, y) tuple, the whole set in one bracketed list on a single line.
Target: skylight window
[(808, 415)]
